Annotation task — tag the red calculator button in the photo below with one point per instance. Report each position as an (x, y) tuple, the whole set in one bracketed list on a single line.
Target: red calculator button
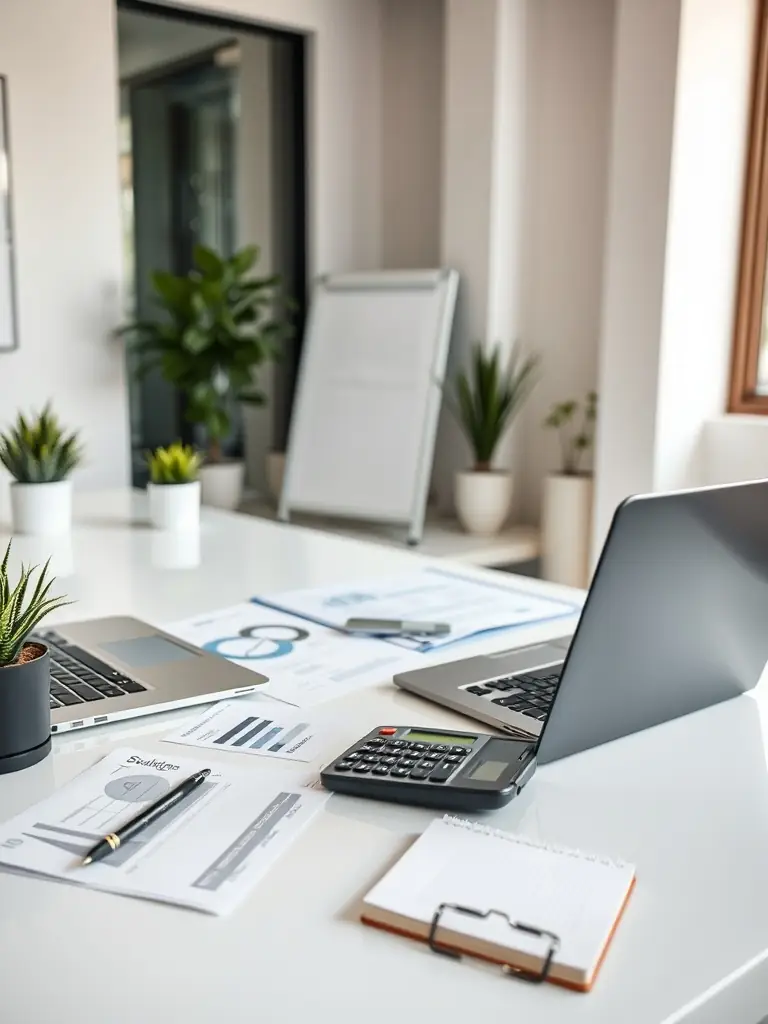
[(389, 731)]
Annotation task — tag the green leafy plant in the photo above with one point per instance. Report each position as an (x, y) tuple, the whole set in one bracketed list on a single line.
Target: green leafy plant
[(488, 397), (575, 426), (38, 450), (22, 606), (218, 326), (176, 464)]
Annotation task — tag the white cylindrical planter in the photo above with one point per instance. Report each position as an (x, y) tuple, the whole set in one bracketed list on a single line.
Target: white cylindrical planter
[(175, 506), (483, 500), (566, 527), (222, 484), (42, 510), (275, 474)]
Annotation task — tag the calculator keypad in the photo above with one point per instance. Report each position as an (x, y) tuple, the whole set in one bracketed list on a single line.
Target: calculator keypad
[(400, 759)]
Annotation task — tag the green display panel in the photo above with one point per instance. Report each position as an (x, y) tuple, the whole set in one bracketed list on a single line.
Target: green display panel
[(439, 737)]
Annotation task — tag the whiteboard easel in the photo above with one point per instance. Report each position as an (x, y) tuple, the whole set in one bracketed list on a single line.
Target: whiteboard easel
[(368, 397)]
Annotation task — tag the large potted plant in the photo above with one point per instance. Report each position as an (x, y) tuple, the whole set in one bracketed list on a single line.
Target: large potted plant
[(40, 456), (218, 326), (567, 502), (486, 400), (174, 487), (25, 714)]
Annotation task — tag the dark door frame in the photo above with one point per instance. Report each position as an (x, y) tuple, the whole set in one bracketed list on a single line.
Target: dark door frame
[(296, 230)]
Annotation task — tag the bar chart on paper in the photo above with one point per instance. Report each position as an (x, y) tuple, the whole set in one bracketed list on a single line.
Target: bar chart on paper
[(236, 726)]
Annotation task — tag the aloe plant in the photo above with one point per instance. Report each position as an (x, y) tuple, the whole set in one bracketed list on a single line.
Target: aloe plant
[(489, 396), (176, 464), (22, 607), (38, 450)]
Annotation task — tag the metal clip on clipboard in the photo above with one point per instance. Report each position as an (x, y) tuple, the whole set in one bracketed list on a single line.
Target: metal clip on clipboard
[(535, 977)]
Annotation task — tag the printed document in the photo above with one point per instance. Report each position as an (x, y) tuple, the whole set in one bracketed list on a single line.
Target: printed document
[(206, 853), (251, 727), (471, 606), (306, 663)]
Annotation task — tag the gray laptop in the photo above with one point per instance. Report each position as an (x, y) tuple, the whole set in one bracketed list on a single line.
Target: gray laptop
[(105, 670), (675, 620)]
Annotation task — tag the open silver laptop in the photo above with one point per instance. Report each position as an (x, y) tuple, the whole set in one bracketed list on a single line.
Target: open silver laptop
[(674, 621), (108, 669)]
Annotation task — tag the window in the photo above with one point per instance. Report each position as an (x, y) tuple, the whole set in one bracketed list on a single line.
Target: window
[(749, 373)]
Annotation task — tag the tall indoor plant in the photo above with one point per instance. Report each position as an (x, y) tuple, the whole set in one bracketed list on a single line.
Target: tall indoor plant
[(25, 715), (218, 326), (567, 502), (40, 455), (486, 399)]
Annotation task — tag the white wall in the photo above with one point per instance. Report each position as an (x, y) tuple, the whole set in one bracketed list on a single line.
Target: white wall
[(673, 236), (60, 63), (570, 70), (527, 112), (63, 110), (412, 102), (645, 67), (703, 231)]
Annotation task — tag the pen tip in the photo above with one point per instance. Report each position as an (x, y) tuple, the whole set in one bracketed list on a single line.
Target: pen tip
[(85, 861)]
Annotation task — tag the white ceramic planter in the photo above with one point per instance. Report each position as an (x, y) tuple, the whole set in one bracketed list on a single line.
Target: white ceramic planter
[(175, 506), (275, 474), (222, 484), (483, 501), (42, 510), (566, 528)]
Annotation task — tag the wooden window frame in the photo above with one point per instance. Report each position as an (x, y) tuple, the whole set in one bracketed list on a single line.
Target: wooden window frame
[(743, 395)]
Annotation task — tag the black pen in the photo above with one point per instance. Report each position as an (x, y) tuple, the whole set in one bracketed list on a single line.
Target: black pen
[(111, 842)]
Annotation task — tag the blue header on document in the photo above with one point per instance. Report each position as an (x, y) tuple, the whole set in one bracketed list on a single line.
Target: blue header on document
[(473, 606)]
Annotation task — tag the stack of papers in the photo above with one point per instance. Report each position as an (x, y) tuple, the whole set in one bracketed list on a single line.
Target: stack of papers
[(306, 662), (206, 853), (472, 606)]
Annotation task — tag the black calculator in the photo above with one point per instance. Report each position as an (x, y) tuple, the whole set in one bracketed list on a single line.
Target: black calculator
[(455, 771)]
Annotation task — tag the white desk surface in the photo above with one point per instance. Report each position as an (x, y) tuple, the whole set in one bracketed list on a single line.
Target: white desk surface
[(686, 802)]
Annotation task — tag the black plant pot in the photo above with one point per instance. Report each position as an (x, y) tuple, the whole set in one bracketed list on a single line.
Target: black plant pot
[(25, 713)]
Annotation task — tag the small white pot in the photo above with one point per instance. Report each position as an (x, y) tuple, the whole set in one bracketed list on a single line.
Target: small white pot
[(483, 500), (275, 474), (222, 484), (42, 510), (175, 506), (566, 528)]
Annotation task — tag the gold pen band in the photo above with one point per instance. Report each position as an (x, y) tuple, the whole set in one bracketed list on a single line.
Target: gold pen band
[(113, 840)]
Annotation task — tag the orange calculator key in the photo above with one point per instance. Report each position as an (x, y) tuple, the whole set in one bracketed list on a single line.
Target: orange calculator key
[(389, 731)]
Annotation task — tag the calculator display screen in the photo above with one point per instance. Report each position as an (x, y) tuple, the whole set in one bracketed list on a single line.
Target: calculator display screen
[(489, 771), (439, 737)]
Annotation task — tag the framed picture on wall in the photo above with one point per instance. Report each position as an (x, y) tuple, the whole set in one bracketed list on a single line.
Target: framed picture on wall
[(8, 333)]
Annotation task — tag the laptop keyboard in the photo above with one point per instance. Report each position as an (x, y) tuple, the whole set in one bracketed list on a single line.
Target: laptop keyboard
[(530, 693), (78, 678)]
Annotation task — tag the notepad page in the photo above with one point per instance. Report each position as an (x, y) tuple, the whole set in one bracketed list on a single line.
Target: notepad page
[(576, 896)]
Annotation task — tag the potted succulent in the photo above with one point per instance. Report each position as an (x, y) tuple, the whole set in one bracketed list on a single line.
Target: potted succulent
[(487, 399), (40, 456), (25, 714), (567, 501), (174, 487), (218, 326)]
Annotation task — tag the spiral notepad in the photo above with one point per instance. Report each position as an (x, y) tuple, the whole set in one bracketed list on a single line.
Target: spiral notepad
[(506, 898)]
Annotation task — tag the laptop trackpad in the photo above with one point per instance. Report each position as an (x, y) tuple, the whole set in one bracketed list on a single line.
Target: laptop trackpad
[(147, 651)]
